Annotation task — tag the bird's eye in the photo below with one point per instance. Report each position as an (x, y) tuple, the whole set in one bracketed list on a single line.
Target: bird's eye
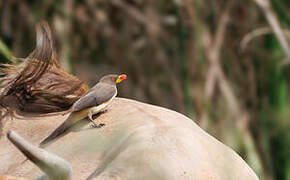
[(113, 79)]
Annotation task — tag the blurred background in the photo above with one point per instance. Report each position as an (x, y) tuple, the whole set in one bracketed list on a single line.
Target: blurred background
[(223, 63)]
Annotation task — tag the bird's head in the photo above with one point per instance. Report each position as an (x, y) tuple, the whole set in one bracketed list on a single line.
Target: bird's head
[(113, 78)]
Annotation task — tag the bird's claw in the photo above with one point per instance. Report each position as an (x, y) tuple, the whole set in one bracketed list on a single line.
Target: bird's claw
[(94, 125)]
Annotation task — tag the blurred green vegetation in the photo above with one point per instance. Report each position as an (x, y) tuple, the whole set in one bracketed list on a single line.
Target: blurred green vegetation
[(5, 51), (184, 55)]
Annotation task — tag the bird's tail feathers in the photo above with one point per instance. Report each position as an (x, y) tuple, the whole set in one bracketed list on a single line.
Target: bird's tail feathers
[(56, 134)]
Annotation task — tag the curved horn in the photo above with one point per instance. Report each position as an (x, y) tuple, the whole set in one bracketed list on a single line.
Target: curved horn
[(52, 165)]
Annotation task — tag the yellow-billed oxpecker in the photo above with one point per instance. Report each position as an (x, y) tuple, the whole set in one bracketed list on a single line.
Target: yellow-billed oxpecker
[(94, 102)]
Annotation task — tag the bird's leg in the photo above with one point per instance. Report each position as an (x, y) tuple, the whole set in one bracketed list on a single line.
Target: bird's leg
[(104, 111), (90, 115)]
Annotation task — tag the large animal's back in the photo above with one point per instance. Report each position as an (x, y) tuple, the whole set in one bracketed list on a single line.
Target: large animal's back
[(141, 141)]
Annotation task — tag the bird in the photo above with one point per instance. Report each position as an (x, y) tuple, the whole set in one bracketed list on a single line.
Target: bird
[(93, 102)]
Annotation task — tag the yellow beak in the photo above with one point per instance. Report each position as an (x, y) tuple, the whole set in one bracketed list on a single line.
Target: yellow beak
[(121, 78)]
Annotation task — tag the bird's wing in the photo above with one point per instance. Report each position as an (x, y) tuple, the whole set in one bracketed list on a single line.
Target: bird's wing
[(98, 95)]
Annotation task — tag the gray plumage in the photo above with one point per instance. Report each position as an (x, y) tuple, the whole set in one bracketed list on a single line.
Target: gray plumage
[(98, 96)]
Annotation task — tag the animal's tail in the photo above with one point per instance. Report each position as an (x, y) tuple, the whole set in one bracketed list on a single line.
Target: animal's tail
[(62, 130)]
